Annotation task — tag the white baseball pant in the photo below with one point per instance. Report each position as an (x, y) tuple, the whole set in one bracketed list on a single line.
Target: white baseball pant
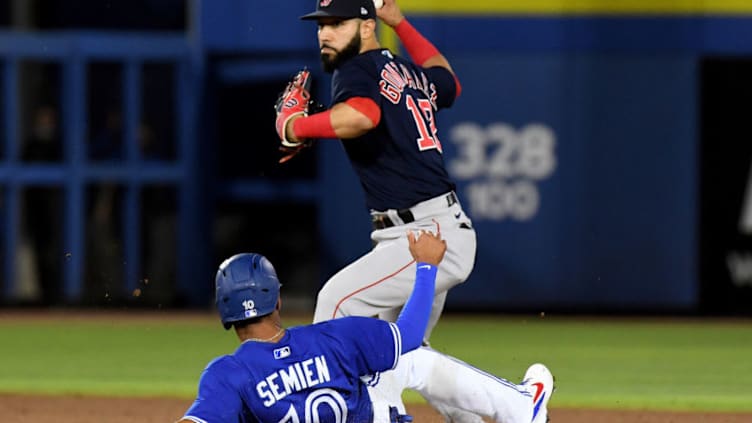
[(452, 384), (379, 283)]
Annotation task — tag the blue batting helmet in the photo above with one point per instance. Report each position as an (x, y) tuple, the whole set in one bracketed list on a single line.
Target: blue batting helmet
[(247, 287)]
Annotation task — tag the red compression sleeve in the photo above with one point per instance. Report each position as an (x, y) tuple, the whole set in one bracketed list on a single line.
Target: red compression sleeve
[(318, 125), (417, 46), (366, 106)]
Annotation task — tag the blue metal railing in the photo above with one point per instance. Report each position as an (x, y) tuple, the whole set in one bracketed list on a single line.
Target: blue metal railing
[(73, 52)]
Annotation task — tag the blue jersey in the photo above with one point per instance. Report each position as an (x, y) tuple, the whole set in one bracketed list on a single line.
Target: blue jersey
[(399, 162), (312, 374)]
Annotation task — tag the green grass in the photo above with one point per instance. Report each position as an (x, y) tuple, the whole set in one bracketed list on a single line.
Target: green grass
[(110, 358), (598, 363), (616, 363)]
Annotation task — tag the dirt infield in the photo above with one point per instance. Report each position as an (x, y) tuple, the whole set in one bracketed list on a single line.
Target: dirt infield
[(80, 409)]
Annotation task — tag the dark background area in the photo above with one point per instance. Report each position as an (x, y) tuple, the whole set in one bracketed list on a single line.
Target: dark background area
[(726, 150), (241, 148), (104, 14)]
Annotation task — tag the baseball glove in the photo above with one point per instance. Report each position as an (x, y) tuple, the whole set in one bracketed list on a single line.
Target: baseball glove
[(295, 100)]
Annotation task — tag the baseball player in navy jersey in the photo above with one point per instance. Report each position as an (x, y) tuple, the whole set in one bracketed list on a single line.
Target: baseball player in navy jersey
[(329, 372), (384, 110)]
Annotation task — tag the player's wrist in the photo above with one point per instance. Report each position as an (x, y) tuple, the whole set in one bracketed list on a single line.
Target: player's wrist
[(396, 21), (289, 128), (401, 22)]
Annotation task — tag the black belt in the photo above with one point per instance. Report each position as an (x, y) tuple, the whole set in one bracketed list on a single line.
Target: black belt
[(382, 221)]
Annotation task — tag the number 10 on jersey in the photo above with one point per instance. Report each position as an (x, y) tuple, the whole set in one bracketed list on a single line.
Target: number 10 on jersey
[(422, 112)]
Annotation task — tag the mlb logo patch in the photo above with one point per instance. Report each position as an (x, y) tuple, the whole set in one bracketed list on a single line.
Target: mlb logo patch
[(250, 313), (282, 352)]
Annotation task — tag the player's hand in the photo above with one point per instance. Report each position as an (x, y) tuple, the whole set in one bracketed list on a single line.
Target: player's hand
[(291, 104), (426, 247), (390, 13)]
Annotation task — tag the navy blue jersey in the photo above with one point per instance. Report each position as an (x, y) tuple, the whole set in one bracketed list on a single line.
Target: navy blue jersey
[(399, 162), (312, 374)]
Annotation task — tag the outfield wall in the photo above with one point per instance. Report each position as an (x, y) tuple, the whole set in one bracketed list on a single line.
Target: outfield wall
[(600, 169)]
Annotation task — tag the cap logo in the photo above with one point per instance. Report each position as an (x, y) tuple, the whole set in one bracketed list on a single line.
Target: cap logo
[(325, 3), (363, 11)]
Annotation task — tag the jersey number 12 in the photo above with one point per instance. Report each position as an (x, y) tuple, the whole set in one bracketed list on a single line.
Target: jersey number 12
[(422, 112)]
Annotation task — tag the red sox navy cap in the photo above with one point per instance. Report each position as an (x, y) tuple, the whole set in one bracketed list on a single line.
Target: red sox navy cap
[(346, 9)]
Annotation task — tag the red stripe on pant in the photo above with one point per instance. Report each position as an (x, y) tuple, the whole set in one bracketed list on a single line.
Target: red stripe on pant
[(334, 315)]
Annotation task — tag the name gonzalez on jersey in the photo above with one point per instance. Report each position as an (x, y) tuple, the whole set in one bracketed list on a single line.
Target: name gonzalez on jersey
[(298, 376), (394, 79)]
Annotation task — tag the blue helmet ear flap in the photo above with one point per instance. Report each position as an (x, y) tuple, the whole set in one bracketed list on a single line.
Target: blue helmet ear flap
[(246, 287)]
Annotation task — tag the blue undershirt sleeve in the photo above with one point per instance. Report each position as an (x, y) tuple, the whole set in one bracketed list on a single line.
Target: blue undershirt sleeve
[(413, 319)]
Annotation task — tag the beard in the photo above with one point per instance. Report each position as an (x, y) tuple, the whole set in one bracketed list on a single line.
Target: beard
[(332, 62)]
